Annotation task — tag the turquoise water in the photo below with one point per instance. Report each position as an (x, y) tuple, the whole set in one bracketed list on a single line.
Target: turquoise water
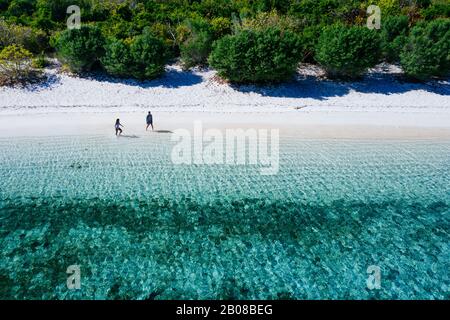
[(140, 227)]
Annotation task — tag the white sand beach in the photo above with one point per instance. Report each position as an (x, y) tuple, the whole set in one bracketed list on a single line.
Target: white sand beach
[(379, 106)]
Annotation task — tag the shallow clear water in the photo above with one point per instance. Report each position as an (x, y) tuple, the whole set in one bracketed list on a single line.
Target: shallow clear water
[(141, 227)]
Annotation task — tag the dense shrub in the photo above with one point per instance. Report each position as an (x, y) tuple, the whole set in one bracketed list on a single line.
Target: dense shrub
[(195, 50), (347, 52), (39, 62), (18, 8), (264, 20), (15, 65), (143, 57), (421, 3), (221, 27), (56, 9), (427, 51), (168, 34), (81, 48), (389, 7), (117, 59), (30, 23), (149, 55), (439, 9), (4, 5), (33, 40), (196, 43), (309, 38), (315, 12), (394, 31), (257, 56)]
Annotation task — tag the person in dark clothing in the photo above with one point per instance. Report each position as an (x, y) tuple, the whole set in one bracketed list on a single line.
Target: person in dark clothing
[(117, 126), (149, 120)]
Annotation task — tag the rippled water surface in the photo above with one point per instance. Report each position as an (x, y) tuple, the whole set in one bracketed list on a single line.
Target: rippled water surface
[(141, 227)]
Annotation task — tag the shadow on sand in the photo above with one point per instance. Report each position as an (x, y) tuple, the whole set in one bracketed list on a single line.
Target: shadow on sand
[(320, 88), (172, 78), (133, 136), (46, 81), (303, 86), (162, 131)]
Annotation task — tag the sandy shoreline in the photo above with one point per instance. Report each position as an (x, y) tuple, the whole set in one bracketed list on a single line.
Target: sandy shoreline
[(379, 106), (300, 124)]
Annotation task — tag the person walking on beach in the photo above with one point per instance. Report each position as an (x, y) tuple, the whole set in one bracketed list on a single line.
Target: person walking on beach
[(149, 121), (117, 126)]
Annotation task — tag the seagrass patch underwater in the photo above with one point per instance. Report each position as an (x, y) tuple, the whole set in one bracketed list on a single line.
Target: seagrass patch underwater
[(142, 228)]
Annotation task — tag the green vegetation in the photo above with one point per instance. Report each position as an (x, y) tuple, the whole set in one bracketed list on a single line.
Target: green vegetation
[(269, 55), (134, 38), (196, 42), (34, 40), (393, 36), (149, 56), (39, 61), (15, 65), (142, 57), (427, 51), (80, 48), (347, 52), (117, 59)]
